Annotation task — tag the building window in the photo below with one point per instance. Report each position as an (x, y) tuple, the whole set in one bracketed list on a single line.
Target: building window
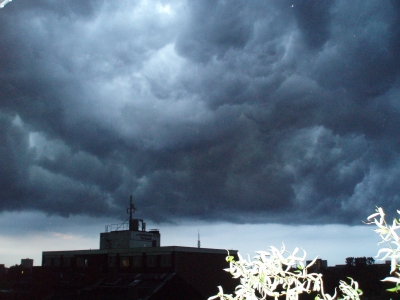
[(47, 262), (137, 261), (151, 261), (67, 261), (111, 261), (81, 262), (56, 262), (124, 262), (166, 260)]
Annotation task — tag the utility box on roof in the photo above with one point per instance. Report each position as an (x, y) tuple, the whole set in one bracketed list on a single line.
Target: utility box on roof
[(124, 239), (136, 235)]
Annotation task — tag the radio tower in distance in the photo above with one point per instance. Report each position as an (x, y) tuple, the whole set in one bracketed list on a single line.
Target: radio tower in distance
[(198, 239)]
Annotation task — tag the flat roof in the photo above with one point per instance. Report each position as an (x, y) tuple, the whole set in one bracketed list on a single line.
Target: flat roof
[(155, 250)]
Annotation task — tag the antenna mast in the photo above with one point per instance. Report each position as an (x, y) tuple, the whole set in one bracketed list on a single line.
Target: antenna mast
[(133, 224), (131, 209)]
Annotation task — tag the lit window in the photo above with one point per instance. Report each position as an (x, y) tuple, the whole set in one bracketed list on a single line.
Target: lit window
[(124, 262)]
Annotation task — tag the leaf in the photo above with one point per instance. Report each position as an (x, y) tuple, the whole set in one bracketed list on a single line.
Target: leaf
[(393, 290), (391, 279)]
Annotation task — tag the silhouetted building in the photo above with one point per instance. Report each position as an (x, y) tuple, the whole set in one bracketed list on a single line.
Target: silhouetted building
[(2, 270), (318, 265), (131, 264), (200, 270), (27, 263)]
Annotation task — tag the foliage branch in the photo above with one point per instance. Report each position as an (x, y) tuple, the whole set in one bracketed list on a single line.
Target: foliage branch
[(277, 273), (388, 235)]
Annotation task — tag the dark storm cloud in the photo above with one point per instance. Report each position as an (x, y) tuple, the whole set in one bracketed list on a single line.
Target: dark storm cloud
[(313, 20), (246, 111), (224, 25), (14, 161)]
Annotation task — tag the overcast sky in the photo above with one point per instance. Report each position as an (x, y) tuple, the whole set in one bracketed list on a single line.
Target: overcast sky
[(256, 121)]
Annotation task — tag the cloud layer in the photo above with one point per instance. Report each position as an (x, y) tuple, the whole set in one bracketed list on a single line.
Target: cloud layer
[(241, 111)]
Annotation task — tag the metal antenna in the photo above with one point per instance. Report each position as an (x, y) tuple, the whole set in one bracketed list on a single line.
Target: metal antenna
[(131, 209)]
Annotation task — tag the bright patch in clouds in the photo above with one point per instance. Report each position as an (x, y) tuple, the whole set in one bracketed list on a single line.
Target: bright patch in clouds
[(63, 236), (165, 9)]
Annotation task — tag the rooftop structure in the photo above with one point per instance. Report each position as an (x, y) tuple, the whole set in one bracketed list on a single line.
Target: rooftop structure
[(27, 262), (130, 234), (318, 265)]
